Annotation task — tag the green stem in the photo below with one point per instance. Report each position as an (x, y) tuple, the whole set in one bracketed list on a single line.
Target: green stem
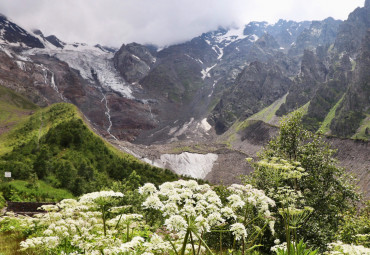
[(173, 247), (243, 246), (234, 245), (295, 240), (221, 243), (203, 243), (200, 242), (185, 241), (192, 242), (104, 226), (288, 231), (128, 232), (255, 238), (119, 220)]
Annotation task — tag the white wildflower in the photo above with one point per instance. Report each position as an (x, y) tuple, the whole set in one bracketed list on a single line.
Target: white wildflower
[(147, 189), (176, 223), (238, 231), (153, 201)]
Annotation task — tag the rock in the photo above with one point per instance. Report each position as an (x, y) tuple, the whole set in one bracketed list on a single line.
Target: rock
[(133, 61)]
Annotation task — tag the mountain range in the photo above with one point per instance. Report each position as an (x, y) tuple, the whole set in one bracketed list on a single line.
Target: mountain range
[(200, 107)]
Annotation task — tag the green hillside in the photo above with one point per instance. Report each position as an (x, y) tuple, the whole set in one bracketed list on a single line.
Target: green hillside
[(13, 110), (55, 145)]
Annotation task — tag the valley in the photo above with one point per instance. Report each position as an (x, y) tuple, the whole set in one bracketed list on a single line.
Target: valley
[(200, 107)]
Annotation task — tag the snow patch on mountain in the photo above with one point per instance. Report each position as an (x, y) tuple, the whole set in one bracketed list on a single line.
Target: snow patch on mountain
[(92, 63), (190, 164), (231, 36), (205, 72), (205, 125), (21, 65)]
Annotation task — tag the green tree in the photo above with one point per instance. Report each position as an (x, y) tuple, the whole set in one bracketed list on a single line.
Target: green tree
[(325, 187)]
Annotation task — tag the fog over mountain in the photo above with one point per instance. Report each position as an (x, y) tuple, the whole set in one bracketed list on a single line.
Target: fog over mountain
[(161, 22)]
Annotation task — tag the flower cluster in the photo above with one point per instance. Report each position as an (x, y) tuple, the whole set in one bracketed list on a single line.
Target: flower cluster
[(245, 196), (286, 170), (347, 249), (184, 203), (95, 224)]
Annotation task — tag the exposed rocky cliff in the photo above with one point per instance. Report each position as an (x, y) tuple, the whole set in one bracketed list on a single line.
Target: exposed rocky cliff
[(133, 61), (355, 106), (258, 86)]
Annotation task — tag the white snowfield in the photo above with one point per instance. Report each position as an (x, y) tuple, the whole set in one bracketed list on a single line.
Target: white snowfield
[(90, 61), (190, 164)]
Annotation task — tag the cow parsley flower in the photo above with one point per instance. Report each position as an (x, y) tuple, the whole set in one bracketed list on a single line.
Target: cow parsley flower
[(153, 201), (176, 223), (235, 201), (238, 230), (147, 189)]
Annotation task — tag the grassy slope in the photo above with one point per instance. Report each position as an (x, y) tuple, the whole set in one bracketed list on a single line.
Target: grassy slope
[(325, 126), (40, 191), (55, 144), (14, 109), (268, 113), (361, 131)]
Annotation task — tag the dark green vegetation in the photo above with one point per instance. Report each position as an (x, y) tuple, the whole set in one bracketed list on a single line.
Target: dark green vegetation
[(323, 186), (32, 190), (54, 145)]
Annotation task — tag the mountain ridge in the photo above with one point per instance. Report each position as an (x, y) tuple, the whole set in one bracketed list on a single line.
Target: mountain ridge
[(199, 91)]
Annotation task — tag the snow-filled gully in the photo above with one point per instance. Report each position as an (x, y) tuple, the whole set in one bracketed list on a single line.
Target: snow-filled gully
[(45, 71), (107, 113)]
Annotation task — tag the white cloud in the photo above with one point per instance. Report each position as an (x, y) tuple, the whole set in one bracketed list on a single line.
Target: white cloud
[(113, 22)]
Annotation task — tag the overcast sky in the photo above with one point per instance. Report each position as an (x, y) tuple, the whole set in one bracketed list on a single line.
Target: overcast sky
[(161, 22)]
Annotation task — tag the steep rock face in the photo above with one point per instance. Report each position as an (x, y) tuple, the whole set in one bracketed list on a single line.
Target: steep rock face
[(12, 33), (51, 39), (344, 68), (133, 61), (356, 103), (55, 41), (313, 73), (351, 32), (328, 93), (176, 77), (267, 41), (319, 33), (286, 32), (27, 79), (256, 87)]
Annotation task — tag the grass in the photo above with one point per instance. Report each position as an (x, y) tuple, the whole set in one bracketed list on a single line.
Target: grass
[(268, 113), (361, 131), (9, 245), (43, 193), (55, 143), (14, 110), (304, 108), (36, 125), (325, 126)]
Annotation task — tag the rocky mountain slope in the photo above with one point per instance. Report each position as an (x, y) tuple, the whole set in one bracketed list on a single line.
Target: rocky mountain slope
[(216, 97)]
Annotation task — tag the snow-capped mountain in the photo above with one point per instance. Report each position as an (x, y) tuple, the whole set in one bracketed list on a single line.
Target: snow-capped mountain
[(197, 91)]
